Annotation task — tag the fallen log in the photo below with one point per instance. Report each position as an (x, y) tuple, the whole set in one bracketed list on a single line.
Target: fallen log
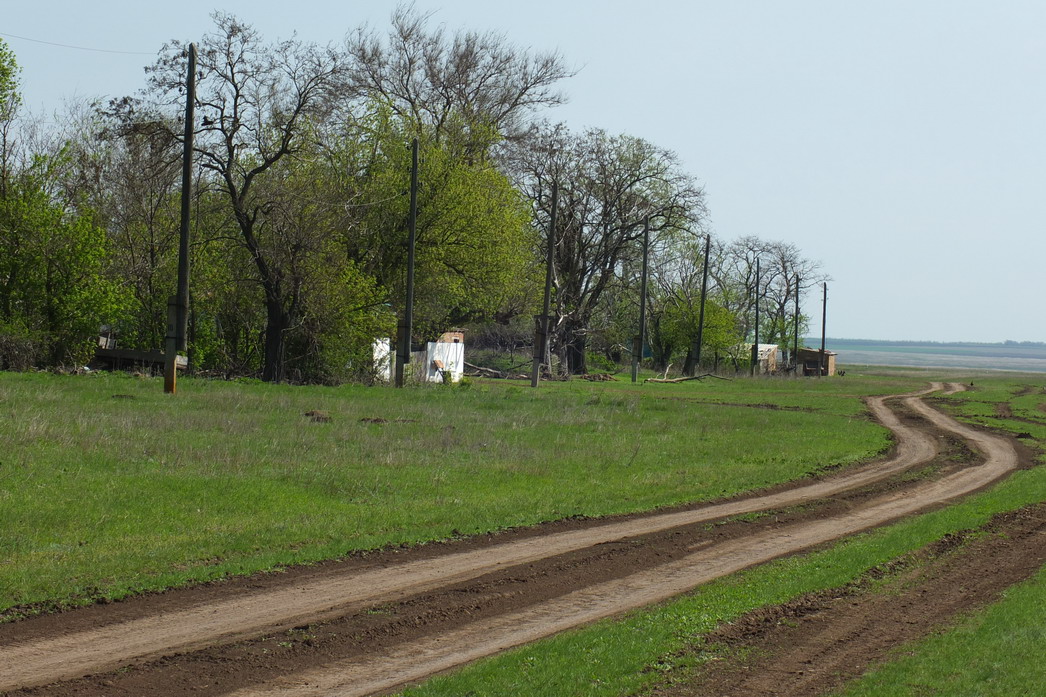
[(692, 377), (488, 372)]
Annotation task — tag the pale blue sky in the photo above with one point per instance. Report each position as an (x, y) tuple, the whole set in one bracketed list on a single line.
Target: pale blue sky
[(902, 143)]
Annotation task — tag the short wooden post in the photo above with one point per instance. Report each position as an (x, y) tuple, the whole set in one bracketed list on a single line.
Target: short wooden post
[(170, 364)]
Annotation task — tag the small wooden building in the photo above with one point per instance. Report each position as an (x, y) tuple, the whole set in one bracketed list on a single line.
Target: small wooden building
[(810, 361), (767, 354)]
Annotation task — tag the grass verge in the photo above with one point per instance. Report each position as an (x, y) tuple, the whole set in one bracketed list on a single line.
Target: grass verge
[(994, 653)]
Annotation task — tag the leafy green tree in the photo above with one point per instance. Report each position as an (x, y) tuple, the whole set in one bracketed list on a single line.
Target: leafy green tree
[(10, 99), (256, 105), (474, 241), (52, 273)]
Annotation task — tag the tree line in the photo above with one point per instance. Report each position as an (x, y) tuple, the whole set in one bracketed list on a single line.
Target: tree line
[(299, 209)]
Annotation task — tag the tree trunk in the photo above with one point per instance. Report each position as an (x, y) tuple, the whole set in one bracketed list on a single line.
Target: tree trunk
[(276, 325), (689, 365), (575, 344)]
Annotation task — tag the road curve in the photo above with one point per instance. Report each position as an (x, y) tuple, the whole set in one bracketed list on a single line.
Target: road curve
[(414, 662), (245, 616)]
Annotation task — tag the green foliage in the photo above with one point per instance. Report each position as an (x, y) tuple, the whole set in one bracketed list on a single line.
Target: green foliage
[(10, 99), (720, 328), (474, 240), (52, 270)]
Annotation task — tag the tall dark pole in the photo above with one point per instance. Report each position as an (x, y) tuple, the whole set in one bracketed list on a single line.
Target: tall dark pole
[(701, 314), (541, 335), (795, 344), (755, 346), (406, 325), (637, 348), (178, 307), (824, 323)]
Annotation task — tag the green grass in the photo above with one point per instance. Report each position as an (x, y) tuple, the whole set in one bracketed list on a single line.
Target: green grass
[(631, 656), (994, 653), (101, 497)]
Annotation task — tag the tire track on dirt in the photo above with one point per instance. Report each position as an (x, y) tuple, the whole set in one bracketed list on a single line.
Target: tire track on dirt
[(105, 648), (420, 660)]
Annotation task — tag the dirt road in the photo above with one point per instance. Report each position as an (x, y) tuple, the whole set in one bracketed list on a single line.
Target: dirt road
[(44, 658)]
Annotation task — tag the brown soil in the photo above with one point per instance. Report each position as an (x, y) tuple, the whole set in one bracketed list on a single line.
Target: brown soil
[(368, 624), (813, 645)]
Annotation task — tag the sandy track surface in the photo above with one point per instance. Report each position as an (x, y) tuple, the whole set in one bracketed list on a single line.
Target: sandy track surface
[(90, 651)]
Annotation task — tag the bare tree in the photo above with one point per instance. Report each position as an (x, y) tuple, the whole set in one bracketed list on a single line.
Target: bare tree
[(734, 270), (608, 185), (788, 265), (468, 84)]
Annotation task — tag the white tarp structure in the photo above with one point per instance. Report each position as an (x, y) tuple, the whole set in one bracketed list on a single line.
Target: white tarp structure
[(438, 359), (383, 359), (444, 359)]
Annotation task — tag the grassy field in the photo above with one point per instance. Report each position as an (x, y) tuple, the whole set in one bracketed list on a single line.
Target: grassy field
[(631, 656), (108, 487)]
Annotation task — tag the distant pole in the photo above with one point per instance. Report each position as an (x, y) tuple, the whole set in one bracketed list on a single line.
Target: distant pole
[(824, 323), (541, 333), (178, 311), (406, 326), (755, 346), (637, 347), (701, 314), (795, 344)]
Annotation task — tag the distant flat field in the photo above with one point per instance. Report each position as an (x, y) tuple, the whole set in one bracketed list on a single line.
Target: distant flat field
[(1013, 357)]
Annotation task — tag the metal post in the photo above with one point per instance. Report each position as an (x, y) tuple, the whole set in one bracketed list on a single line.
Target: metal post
[(406, 326), (178, 309), (541, 328), (701, 314), (755, 346), (824, 320), (795, 344), (637, 347)]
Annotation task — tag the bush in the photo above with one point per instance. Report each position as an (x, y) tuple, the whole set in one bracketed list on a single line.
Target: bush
[(20, 348), (598, 363)]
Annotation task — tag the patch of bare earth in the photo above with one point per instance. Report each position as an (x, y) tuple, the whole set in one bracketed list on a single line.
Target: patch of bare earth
[(815, 644), (368, 624)]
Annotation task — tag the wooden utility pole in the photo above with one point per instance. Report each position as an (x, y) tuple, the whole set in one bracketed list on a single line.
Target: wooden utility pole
[(696, 349), (824, 323), (795, 343), (407, 323), (541, 326), (755, 346), (637, 344), (178, 306)]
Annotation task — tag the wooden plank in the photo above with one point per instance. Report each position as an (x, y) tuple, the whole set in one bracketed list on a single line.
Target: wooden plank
[(153, 357)]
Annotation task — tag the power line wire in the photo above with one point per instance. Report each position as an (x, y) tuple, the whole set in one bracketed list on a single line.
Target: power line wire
[(78, 48)]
